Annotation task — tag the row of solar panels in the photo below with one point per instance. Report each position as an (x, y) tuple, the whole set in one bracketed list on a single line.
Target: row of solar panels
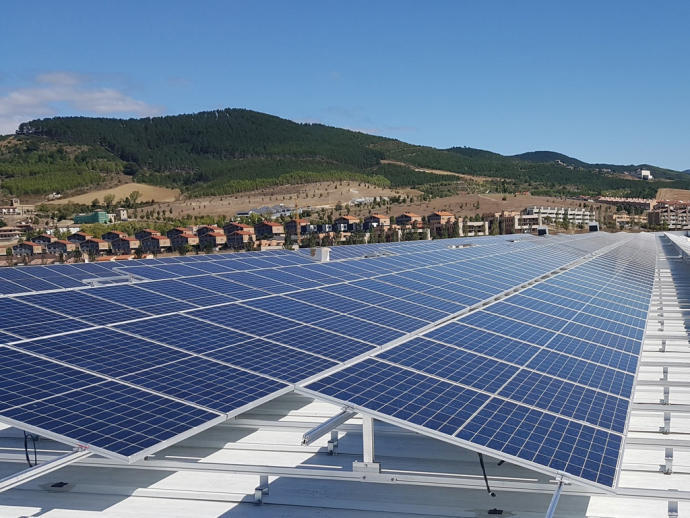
[(545, 375), (43, 278), (431, 290), (129, 388)]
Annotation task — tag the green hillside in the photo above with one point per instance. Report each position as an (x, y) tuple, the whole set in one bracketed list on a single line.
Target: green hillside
[(233, 150)]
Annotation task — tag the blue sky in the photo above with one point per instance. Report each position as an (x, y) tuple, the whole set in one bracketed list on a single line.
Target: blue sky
[(602, 81)]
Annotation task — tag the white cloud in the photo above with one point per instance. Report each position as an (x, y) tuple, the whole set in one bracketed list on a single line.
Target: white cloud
[(58, 92)]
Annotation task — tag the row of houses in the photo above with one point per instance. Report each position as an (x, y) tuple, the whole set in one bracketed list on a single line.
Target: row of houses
[(117, 242)]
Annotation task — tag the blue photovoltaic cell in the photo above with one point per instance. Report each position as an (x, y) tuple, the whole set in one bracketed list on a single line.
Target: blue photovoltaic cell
[(418, 311), (536, 436), (283, 306), (583, 372), (567, 399), (319, 341), (222, 286), (33, 284), (5, 337), (391, 319), (25, 378), (399, 282), (177, 289), (451, 363), (137, 298), (526, 315), (484, 342), (360, 329), (429, 301), (206, 383), (509, 327), (272, 359), (333, 302), (284, 275), (597, 336), (257, 281), (186, 333), (400, 393), (360, 294), (115, 417), (244, 318), (609, 325), (103, 350), (28, 321), (181, 270), (593, 352), (455, 296), (84, 307)]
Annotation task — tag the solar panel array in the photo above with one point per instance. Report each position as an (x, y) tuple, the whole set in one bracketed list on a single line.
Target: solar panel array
[(544, 376), (209, 336)]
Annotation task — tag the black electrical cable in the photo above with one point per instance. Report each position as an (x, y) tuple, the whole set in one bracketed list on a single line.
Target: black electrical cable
[(486, 480), (28, 436)]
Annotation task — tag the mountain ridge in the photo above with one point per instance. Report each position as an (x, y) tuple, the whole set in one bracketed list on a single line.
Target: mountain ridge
[(234, 150)]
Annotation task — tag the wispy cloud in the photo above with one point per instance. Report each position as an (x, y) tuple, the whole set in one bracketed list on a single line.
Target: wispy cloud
[(59, 92)]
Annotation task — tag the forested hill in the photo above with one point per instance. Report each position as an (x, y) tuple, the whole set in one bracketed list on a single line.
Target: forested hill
[(551, 156), (232, 150), (184, 142)]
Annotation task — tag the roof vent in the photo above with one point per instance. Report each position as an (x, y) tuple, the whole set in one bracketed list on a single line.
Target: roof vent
[(322, 254)]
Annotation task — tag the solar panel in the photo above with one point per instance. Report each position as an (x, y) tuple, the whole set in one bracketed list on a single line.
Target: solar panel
[(557, 360), (281, 362), (25, 378), (185, 332), (141, 299), (207, 383), (111, 417), (399, 393), (545, 439), (562, 406), (314, 340), (103, 350)]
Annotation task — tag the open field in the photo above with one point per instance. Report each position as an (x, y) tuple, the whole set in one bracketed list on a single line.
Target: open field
[(148, 192), (673, 195), (314, 195), (327, 194)]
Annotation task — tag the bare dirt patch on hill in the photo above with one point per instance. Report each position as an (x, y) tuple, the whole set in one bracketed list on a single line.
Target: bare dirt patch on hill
[(673, 195), (312, 195), (148, 192)]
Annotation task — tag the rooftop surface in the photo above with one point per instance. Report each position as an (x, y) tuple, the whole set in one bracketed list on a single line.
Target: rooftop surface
[(639, 278)]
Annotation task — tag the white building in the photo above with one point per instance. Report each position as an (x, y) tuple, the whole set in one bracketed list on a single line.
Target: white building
[(558, 214), (645, 174)]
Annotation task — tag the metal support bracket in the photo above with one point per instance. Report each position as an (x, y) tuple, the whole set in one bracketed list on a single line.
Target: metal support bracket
[(333, 442), (261, 490), (327, 426), (368, 463), (667, 467), (41, 469), (666, 429), (556, 495)]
